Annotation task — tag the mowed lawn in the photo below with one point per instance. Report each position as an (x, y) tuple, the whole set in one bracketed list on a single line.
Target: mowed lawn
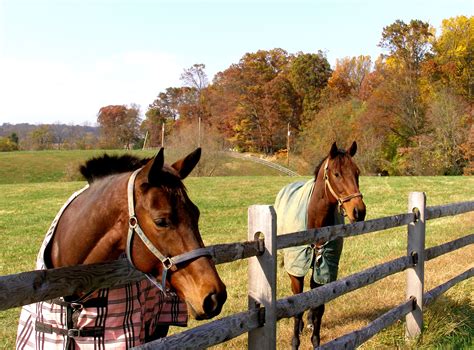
[(27, 209)]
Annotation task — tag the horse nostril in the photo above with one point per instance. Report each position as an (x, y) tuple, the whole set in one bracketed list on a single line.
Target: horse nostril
[(211, 304), (356, 213), (361, 215)]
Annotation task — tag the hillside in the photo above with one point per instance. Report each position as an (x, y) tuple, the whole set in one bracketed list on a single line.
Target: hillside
[(52, 166)]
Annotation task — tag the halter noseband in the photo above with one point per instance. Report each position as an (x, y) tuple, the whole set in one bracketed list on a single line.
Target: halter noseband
[(340, 200), (169, 263)]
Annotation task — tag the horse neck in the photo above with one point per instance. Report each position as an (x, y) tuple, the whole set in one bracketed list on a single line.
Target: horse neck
[(321, 207), (94, 227)]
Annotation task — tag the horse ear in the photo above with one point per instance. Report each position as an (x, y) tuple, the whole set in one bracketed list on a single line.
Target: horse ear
[(156, 166), (187, 164), (333, 151), (353, 149)]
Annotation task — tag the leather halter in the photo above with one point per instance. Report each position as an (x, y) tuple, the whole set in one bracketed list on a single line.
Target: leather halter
[(340, 200), (169, 263)]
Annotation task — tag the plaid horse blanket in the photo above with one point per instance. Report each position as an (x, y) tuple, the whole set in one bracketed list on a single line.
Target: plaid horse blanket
[(291, 206), (108, 318)]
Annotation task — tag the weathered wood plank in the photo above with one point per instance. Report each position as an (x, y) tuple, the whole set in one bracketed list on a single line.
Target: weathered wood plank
[(331, 232), (211, 333), (228, 252), (416, 273), (262, 276), (356, 338), (34, 286), (449, 209), (295, 304), (444, 248), (431, 295)]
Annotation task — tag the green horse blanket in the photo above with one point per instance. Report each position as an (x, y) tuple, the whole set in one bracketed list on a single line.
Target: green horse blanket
[(291, 206)]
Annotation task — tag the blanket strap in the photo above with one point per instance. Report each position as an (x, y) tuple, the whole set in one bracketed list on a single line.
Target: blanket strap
[(73, 308), (70, 333)]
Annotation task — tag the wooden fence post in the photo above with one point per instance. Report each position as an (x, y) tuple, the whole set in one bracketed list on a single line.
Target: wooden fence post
[(262, 276), (415, 274)]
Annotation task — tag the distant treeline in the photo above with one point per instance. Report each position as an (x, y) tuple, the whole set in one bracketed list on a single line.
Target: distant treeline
[(47, 136), (410, 110)]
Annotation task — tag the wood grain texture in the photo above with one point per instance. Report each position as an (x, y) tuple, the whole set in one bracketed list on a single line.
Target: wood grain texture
[(415, 276), (434, 252), (295, 304), (449, 209), (212, 333), (331, 232), (34, 286), (262, 276)]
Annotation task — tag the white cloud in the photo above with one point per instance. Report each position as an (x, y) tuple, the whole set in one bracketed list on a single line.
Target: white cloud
[(41, 91)]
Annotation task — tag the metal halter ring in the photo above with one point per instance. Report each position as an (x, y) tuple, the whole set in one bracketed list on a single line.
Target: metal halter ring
[(167, 263), (133, 222)]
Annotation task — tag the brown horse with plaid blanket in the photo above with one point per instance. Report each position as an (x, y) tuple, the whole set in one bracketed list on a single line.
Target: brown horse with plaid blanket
[(136, 208)]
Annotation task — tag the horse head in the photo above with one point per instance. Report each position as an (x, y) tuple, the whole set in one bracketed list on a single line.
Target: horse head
[(341, 176), (169, 220)]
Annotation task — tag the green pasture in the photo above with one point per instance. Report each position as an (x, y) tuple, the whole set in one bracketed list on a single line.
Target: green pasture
[(28, 206), (61, 166)]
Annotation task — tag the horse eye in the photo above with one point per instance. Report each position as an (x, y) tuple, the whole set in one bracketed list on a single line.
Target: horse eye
[(161, 222), (336, 174)]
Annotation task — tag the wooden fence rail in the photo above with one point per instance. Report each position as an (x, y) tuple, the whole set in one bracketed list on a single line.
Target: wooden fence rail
[(358, 337), (264, 310), (34, 286), (290, 306)]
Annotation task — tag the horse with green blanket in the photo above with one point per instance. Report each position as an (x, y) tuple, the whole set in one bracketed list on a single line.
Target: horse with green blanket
[(322, 201)]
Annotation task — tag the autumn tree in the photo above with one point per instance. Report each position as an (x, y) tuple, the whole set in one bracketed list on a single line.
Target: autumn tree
[(348, 78), (407, 44), (399, 101), (195, 77), (259, 101), (451, 65), (9, 143), (119, 125), (42, 138), (309, 74)]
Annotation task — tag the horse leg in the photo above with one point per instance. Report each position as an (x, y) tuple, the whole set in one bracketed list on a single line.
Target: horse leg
[(314, 318), (297, 284)]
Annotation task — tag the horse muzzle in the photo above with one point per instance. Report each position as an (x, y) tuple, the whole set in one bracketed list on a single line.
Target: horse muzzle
[(211, 306), (201, 287), (355, 210)]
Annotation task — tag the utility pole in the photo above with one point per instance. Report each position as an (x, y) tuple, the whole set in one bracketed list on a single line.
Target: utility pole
[(163, 135), (288, 146), (199, 132), (144, 142)]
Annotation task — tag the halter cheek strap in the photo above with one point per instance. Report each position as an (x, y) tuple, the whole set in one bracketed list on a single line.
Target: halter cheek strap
[(169, 263), (340, 200)]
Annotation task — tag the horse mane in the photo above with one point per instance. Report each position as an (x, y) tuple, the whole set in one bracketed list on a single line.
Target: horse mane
[(99, 167), (340, 152)]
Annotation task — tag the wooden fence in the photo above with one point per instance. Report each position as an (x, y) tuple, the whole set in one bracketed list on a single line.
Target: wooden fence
[(261, 249)]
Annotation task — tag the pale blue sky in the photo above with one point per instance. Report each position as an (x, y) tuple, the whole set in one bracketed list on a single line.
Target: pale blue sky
[(60, 61)]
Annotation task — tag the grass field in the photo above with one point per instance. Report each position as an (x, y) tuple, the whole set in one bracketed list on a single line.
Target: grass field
[(26, 210), (52, 166)]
